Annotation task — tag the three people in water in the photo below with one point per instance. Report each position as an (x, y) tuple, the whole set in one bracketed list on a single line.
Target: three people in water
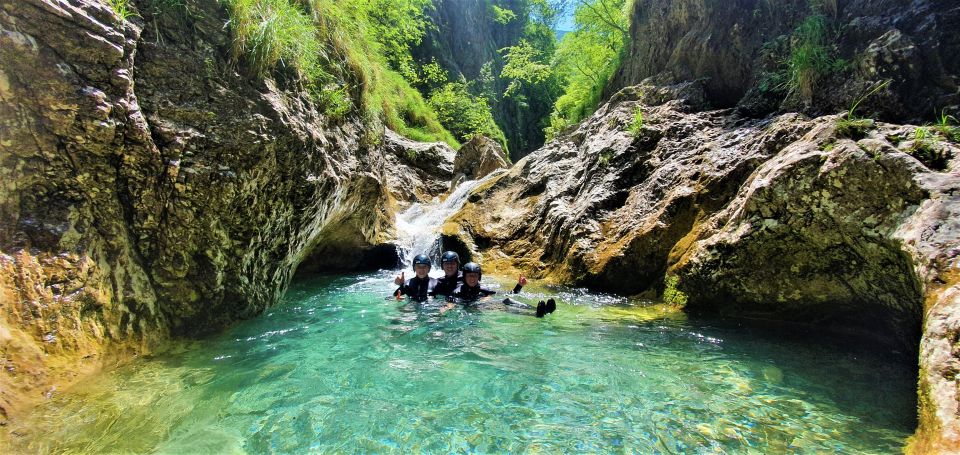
[(460, 287)]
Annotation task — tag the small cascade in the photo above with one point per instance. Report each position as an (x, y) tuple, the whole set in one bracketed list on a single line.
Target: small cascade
[(418, 227)]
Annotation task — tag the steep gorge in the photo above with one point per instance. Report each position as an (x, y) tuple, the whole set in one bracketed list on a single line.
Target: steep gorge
[(466, 40), (151, 187)]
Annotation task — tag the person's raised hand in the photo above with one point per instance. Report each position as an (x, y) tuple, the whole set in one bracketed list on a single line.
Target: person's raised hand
[(399, 279), (522, 281)]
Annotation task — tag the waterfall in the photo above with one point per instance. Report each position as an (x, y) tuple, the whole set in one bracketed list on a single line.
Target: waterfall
[(418, 227)]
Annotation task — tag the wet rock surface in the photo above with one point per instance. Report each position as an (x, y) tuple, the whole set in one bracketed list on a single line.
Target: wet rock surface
[(774, 218), (478, 158), (151, 187), (417, 171)]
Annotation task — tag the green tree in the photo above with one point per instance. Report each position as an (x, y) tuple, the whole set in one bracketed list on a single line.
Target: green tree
[(464, 114), (586, 59), (397, 25)]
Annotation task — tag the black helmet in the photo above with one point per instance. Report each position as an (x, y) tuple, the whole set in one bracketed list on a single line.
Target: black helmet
[(421, 259), (473, 267), (450, 256)]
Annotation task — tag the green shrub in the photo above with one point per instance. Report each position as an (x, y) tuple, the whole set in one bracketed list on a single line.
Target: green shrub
[(464, 114), (503, 16), (672, 295), (587, 58), (557, 124), (811, 57)]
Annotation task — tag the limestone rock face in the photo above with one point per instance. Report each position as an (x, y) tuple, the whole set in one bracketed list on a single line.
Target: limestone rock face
[(777, 218), (730, 45), (417, 171), (477, 159), (814, 228), (604, 207), (854, 234), (149, 187)]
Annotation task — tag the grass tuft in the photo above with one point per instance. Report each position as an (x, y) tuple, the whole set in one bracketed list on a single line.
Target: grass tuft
[(122, 9)]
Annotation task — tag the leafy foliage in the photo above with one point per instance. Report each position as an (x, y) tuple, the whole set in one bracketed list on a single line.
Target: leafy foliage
[(503, 16), (586, 59), (346, 52), (672, 295), (396, 25), (523, 64), (464, 114)]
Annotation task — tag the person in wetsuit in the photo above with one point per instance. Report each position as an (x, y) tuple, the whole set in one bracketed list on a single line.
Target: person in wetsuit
[(471, 292), (420, 287), (450, 262)]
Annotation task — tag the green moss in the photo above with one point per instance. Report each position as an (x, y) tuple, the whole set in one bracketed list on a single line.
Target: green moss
[(855, 129), (671, 293), (928, 148)]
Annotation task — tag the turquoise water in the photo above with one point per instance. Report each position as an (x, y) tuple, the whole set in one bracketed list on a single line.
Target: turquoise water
[(337, 368)]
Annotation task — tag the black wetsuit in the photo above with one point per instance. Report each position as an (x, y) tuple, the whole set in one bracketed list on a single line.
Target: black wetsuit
[(419, 289), (470, 294), (446, 286)]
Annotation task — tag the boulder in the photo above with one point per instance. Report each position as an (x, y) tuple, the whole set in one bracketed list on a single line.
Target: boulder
[(477, 159), (417, 171)]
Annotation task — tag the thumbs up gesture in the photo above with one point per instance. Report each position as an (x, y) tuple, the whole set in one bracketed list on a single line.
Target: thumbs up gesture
[(399, 279)]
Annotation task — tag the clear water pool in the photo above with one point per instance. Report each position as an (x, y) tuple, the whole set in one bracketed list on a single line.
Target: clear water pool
[(337, 368)]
